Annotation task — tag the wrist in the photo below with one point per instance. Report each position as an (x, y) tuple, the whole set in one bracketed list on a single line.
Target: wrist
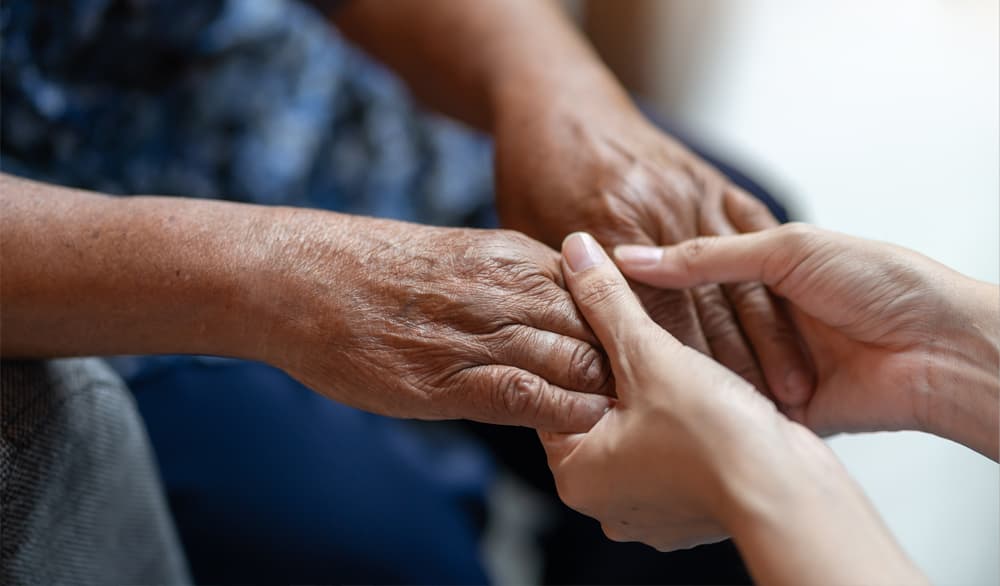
[(786, 517), (961, 390), (217, 300), (299, 276), (758, 489), (556, 89)]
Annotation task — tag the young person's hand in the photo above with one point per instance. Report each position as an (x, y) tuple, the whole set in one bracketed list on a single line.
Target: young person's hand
[(691, 452), (683, 432), (899, 341)]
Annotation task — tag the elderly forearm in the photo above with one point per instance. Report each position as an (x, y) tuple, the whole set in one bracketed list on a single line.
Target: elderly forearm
[(86, 274), (468, 59)]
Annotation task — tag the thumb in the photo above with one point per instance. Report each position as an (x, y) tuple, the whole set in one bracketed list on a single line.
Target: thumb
[(603, 296)]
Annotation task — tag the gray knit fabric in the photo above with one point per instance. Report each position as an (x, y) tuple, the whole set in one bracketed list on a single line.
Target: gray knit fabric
[(80, 498)]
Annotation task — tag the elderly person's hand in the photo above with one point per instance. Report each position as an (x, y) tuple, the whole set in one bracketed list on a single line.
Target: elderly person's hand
[(573, 153), (433, 323), (899, 340), (395, 318), (591, 162), (691, 452)]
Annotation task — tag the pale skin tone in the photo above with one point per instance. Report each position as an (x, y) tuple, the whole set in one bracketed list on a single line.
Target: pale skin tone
[(899, 341), (88, 275), (691, 453)]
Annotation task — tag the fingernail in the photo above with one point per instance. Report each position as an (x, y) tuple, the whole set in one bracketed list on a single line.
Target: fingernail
[(638, 256), (581, 251), (797, 386)]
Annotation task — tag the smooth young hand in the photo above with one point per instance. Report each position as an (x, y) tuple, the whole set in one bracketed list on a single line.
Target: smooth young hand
[(655, 468), (691, 452), (899, 341)]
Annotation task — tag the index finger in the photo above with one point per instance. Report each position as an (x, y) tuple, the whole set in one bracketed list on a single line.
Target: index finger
[(706, 259)]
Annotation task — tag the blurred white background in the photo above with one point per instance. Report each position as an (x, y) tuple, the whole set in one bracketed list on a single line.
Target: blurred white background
[(879, 119)]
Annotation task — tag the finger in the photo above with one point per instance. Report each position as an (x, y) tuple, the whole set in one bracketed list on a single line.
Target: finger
[(550, 308), (718, 322), (772, 257), (507, 395), (603, 296), (563, 361), (767, 256), (704, 260), (675, 311), (775, 341), (747, 213), (725, 337), (765, 323)]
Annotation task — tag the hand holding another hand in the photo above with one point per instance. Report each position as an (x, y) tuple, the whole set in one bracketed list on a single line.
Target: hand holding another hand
[(596, 164), (684, 431), (691, 453), (899, 341)]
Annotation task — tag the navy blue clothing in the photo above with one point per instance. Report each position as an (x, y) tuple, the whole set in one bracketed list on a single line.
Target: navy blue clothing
[(271, 483)]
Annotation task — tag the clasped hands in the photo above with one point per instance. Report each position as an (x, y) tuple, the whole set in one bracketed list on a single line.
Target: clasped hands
[(493, 326), (455, 323)]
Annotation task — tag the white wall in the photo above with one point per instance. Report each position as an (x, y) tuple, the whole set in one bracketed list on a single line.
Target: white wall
[(879, 118)]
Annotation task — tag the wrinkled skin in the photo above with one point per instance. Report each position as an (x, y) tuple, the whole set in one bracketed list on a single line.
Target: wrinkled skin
[(657, 467), (434, 323), (562, 168)]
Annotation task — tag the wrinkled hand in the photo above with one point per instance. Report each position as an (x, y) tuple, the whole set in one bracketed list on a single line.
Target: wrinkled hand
[(684, 436), (884, 325), (609, 172), (434, 323)]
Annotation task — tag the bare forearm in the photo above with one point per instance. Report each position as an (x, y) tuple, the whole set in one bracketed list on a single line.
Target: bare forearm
[(86, 274), (811, 524), (469, 59), (962, 391)]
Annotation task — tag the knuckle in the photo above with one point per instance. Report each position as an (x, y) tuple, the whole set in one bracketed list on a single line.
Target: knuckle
[(588, 369), (599, 291), (762, 320), (751, 302), (519, 394), (692, 251), (672, 309), (715, 316), (500, 338)]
